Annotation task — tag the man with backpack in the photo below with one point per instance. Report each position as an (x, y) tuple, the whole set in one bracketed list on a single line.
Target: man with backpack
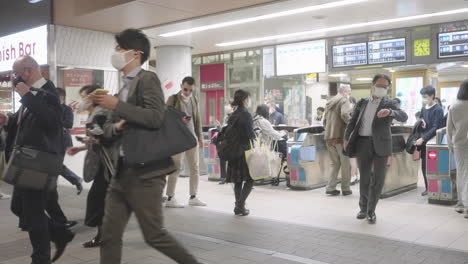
[(185, 101)]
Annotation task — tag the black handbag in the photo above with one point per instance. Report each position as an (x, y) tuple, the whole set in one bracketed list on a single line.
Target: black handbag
[(32, 169), (415, 135), (146, 146)]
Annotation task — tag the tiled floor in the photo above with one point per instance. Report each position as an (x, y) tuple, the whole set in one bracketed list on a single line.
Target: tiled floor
[(285, 226)]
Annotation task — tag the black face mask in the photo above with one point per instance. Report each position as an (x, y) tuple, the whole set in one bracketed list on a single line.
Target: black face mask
[(17, 80)]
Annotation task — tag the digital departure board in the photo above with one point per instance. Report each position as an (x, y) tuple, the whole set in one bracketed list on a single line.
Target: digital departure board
[(453, 44), (349, 55), (387, 51)]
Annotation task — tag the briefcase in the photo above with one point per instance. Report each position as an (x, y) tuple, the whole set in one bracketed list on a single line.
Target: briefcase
[(33, 169)]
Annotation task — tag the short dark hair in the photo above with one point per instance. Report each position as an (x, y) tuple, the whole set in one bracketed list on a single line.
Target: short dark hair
[(428, 90), (239, 97), (321, 109), (61, 92), (463, 91), (88, 89), (418, 114), (188, 80), (381, 76), (397, 100), (439, 102), (263, 110), (134, 39)]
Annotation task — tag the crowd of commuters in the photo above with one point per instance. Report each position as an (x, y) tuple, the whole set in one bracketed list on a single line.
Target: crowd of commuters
[(357, 136)]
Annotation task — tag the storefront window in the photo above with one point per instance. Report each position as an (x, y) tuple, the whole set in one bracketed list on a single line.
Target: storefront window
[(210, 59)]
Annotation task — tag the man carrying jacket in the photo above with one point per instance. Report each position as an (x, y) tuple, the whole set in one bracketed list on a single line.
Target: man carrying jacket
[(40, 126), (185, 101), (337, 115), (136, 189), (368, 137)]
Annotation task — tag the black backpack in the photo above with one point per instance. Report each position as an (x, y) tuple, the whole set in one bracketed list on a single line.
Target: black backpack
[(227, 143)]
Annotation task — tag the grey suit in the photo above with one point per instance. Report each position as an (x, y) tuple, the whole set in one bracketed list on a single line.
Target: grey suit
[(372, 151), (139, 189)]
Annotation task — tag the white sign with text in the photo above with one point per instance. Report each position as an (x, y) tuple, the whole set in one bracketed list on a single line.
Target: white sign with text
[(31, 42)]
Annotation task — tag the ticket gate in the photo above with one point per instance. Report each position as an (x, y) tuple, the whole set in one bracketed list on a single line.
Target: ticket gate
[(441, 171), (402, 174), (307, 159)]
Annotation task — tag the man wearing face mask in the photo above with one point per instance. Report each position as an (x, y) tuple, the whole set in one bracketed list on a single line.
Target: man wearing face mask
[(40, 122), (138, 189), (368, 137), (185, 101), (432, 115), (276, 118)]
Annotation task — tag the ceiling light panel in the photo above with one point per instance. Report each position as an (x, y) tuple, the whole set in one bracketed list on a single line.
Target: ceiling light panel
[(344, 27), (264, 17)]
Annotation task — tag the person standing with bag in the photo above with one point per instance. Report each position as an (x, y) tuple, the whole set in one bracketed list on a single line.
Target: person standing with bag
[(238, 171), (38, 125), (185, 101), (136, 188)]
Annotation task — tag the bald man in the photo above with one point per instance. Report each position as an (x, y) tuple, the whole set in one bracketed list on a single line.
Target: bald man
[(39, 118)]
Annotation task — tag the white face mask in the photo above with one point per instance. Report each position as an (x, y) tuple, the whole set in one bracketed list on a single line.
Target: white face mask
[(84, 105), (249, 103), (118, 59), (379, 92)]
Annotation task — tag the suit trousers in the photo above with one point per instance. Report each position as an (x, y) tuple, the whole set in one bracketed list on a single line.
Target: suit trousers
[(30, 206), (128, 193), (192, 157), (338, 160), (372, 169), (53, 208)]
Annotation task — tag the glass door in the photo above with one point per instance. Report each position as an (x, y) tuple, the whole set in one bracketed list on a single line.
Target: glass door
[(214, 107)]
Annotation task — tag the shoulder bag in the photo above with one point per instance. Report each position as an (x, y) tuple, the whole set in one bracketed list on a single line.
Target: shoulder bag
[(32, 169)]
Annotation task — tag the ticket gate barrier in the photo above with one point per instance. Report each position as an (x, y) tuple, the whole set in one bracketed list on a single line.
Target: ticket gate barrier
[(307, 159), (441, 171), (402, 174)]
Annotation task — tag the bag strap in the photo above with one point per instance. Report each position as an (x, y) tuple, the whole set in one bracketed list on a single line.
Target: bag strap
[(176, 99), (18, 129)]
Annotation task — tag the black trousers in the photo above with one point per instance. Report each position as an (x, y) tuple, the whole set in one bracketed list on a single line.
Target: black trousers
[(96, 201), (372, 169), (30, 207), (422, 148), (223, 168), (53, 208)]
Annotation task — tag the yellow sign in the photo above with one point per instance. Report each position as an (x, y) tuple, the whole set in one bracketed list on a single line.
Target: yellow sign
[(422, 47), (311, 76)]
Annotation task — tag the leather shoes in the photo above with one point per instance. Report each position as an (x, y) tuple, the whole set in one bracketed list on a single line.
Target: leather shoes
[(333, 193), (95, 242), (70, 224), (62, 243), (371, 218), (361, 215)]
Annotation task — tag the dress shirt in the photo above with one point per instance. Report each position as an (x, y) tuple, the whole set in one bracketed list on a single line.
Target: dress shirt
[(368, 117), (38, 84)]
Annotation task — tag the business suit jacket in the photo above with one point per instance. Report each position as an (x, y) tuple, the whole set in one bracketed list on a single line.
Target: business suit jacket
[(67, 121), (41, 125), (176, 100), (145, 108), (381, 133)]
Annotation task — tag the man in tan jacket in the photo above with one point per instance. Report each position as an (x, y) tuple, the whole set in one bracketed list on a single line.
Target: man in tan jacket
[(337, 115), (185, 101)]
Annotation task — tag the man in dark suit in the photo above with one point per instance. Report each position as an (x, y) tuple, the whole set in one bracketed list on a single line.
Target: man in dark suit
[(368, 137), (39, 119), (53, 208), (138, 190)]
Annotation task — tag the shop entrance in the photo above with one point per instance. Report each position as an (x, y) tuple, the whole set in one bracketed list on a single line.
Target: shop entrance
[(214, 106)]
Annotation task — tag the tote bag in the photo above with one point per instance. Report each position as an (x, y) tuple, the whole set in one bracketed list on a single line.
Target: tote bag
[(258, 162)]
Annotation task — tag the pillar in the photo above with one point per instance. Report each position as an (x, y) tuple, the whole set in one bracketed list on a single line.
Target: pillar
[(173, 63)]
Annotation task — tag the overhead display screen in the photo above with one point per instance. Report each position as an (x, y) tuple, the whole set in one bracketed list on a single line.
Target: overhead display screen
[(301, 58), (387, 51), (349, 55), (453, 44)]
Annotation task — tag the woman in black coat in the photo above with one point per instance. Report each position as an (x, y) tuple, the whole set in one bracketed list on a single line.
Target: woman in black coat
[(238, 172)]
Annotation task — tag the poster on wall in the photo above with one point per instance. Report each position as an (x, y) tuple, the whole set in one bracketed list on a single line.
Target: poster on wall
[(407, 90), (73, 81)]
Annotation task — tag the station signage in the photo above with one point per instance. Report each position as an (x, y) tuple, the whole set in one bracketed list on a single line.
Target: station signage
[(31, 42), (301, 58), (387, 51), (350, 55), (453, 44)]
